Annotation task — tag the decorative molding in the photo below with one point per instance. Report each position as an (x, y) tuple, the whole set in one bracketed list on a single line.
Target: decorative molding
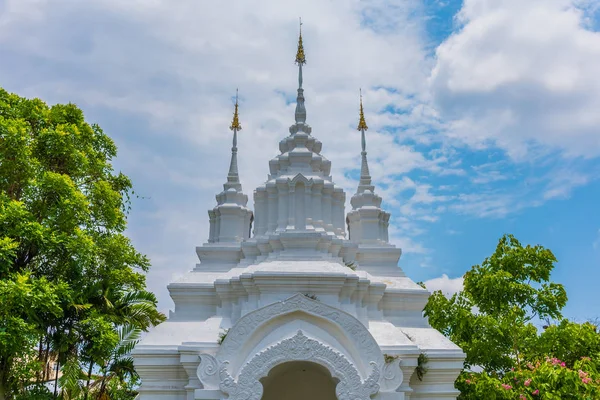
[(301, 178), (299, 348), (366, 345), (208, 371), (392, 376)]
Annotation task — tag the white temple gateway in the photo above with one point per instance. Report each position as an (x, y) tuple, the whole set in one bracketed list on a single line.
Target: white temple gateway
[(299, 310)]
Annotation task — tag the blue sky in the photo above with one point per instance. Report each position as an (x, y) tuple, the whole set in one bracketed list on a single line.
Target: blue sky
[(483, 114)]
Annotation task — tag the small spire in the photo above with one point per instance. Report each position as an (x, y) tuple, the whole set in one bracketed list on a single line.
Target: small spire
[(300, 58), (365, 176), (235, 124), (233, 179), (362, 125)]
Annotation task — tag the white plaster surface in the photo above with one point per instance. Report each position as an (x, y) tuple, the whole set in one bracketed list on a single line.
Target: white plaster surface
[(428, 339), (178, 332)]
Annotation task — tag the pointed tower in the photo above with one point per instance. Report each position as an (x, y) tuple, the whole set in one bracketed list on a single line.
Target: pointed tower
[(368, 223), (230, 220), (300, 206)]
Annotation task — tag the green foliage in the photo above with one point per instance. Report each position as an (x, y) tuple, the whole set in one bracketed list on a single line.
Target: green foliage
[(70, 279), (493, 318), (351, 265), (508, 290), (548, 379), (70, 379), (25, 304), (222, 336), (388, 358), (421, 369), (567, 341), (36, 392), (123, 390), (118, 371), (311, 296)]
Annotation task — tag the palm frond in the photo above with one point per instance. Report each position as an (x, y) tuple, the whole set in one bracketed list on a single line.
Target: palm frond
[(70, 379)]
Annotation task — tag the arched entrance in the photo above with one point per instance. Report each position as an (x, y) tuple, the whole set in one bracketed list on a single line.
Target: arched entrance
[(299, 380), (298, 348)]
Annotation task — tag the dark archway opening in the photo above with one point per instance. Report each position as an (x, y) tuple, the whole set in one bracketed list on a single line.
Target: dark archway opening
[(299, 380)]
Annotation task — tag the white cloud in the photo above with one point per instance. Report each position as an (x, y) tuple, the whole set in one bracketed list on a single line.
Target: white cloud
[(521, 74), (489, 172), (486, 204), (563, 182), (447, 285)]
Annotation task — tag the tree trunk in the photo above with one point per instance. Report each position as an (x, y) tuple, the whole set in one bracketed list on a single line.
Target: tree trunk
[(4, 368), (89, 376), (56, 375), (46, 355), (40, 374), (103, 386), (2, 386)]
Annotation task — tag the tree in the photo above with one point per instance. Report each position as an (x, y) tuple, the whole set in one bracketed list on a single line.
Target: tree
[(67, 271), (493, 321), (25, 302)]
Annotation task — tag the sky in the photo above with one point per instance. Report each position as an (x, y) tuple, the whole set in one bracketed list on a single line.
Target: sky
[(484, 115)]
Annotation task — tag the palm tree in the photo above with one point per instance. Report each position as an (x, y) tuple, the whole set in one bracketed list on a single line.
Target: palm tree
[(131, 313), (120, 365)]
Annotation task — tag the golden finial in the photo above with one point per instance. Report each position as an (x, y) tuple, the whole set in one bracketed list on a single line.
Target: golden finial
[(300, 59), (362, 125), (235, 124)]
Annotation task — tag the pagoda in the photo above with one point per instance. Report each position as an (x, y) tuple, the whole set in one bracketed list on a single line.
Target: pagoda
[(297, 299)]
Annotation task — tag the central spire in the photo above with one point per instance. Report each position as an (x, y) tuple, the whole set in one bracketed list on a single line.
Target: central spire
[(300, 113)]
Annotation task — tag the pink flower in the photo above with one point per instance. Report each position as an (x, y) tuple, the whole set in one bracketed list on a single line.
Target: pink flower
[(527, 382), (507, 387), (522, 397), (535, 392), (468, 381), (562, 364), (586, 380)]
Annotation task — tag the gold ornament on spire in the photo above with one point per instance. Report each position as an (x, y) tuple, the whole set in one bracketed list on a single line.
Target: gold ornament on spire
[(235, 124), (300, 58), (362, 124)]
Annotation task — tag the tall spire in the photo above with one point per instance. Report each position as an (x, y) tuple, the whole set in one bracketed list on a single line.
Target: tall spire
[(233, 179), (365, 176), (300, 113)]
